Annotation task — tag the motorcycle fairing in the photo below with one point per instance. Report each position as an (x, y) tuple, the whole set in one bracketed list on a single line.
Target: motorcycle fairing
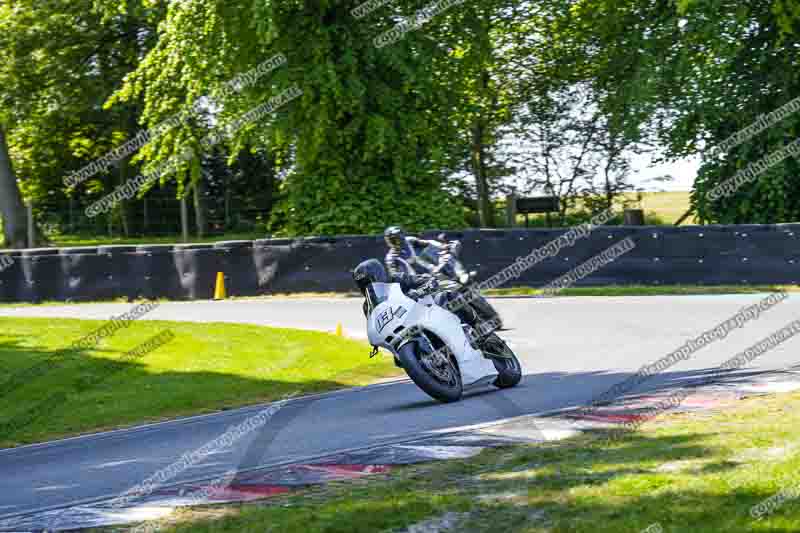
[(393, 313)]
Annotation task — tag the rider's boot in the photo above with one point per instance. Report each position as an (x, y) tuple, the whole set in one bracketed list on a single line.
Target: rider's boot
[(477, 330), (487, 313)]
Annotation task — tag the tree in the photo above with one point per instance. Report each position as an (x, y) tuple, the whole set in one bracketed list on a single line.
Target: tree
[(11, 207), (692, 75), (62, 60), (364, 143)]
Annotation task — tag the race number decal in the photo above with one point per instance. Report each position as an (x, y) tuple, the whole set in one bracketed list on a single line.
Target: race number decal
[(389, 315)]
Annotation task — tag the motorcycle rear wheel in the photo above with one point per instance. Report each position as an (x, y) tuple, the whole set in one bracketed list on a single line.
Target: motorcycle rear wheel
[(411, 357), (508, 368)]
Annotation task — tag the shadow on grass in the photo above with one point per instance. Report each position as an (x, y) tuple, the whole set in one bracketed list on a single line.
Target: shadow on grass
[(81, 392)]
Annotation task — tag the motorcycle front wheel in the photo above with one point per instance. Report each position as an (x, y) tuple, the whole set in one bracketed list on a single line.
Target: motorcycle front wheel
[(434, 372)]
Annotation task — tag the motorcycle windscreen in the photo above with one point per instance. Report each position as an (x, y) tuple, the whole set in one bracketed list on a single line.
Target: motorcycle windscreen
[(376, 294)]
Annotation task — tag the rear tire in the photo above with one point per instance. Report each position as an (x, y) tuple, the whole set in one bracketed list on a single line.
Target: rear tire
[(410, 357), (508, 368)]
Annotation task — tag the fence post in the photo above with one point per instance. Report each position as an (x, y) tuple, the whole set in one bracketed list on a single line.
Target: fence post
[(511, 210), (633, 217), (184, 219), (71, 214)]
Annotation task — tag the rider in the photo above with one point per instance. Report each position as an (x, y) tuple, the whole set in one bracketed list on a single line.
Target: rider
[(414, 256), (409, 254)]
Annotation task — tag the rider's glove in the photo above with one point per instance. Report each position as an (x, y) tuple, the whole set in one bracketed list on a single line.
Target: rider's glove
[(431, 285)]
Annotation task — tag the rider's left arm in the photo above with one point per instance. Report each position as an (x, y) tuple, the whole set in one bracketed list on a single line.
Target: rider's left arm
[(415, 283)]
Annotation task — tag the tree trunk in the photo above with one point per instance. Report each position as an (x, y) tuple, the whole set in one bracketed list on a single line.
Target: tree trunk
[(269, 185), (30, 224), (227, 201), (481, 20), (145, 217), (11, 206), (184, 219), (200, 214), (479, 169), (72, 214), (607, 175), (123, 209)]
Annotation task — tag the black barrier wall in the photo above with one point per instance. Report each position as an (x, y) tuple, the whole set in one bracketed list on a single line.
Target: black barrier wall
[(698, 255)]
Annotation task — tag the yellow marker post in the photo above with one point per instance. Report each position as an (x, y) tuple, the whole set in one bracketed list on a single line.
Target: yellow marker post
[(339, 332), (219, 290)]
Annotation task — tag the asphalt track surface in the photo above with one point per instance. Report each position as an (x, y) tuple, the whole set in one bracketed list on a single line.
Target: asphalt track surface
[(572, 350)]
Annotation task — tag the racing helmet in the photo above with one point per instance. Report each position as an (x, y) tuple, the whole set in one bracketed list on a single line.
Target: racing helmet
[(367, 272), (394, 236)]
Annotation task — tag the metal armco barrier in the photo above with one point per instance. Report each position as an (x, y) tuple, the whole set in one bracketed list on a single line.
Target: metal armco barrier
[(664, 255)]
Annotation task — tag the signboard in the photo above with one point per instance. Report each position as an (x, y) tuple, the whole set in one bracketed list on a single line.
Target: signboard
[(541, 204)]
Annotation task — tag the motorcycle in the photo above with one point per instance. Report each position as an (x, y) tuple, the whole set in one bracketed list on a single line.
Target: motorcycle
[(438, 352)]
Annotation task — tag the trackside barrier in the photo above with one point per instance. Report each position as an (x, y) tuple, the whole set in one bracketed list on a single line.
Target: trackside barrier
[(700, 255)]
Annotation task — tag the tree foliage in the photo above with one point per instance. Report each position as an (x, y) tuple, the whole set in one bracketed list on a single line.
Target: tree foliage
[(414, 132)]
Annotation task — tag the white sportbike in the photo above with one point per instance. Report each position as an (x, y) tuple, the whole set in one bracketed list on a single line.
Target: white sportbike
[(437, 351)]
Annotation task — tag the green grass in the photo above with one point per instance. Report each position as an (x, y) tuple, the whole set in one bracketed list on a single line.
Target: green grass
[(50, 303), (693, 473), (64, 241), (647, 290), (207, 367)]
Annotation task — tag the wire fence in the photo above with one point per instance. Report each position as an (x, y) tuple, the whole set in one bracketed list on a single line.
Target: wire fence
[(159, 213)]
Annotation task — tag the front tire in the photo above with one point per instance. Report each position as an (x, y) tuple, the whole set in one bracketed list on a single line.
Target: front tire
[(445, 389)]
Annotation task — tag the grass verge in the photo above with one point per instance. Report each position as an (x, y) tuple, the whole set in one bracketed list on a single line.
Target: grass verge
[(51, 303), (68, 240), (698, 473), (203, 368)]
